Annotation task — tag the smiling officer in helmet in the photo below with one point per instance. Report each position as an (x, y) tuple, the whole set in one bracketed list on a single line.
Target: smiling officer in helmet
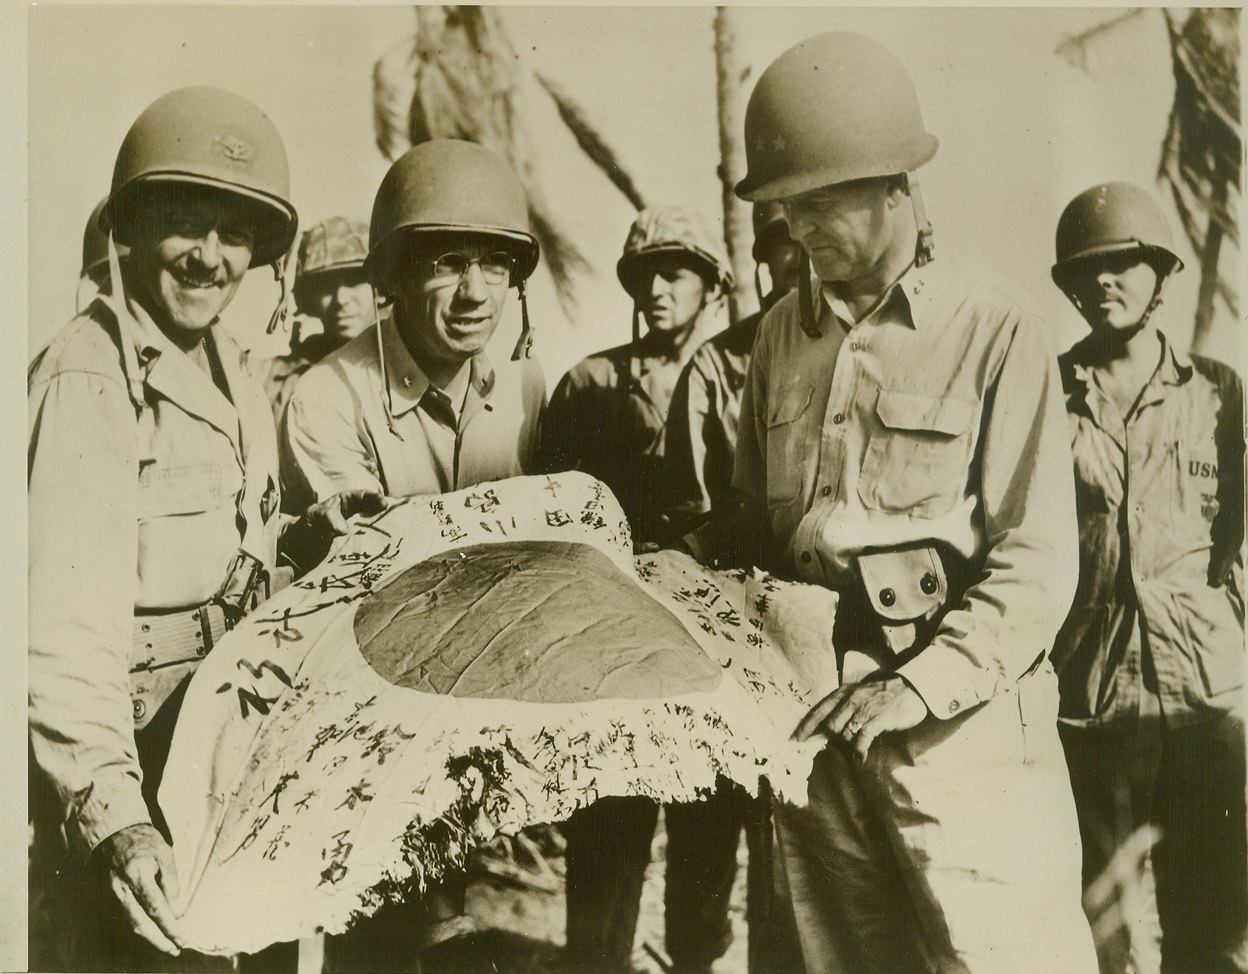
[(1151, 657), (153, 504), (414, 405), (903, 442)]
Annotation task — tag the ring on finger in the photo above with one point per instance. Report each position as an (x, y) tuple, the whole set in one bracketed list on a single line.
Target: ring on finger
[(853, 727)]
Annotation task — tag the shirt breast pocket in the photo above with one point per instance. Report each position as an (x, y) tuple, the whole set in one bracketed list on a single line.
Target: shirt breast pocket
[(787, 436), (918, 455), (167, 491)]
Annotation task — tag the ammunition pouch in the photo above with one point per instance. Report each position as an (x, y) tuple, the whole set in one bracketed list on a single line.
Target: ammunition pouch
[(899, 601)]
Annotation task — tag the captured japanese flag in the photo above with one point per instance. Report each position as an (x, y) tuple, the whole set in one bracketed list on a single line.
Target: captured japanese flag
[(462, 665)]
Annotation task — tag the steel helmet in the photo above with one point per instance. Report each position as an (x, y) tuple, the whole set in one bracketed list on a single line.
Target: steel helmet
[(207, 137), (673, 229), (95, 244), (1109, 218), (833, 108), (336, 244), (769, 222), (450, 184)]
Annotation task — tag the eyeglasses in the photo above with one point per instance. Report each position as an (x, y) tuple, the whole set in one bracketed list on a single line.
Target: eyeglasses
[(451, 268)]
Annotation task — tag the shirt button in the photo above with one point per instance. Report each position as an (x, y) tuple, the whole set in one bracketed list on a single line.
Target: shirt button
[(806, 557), (838, 418), (854, 346), (140, 708), (826, 490), (887, 597), (928, 583), (954, 706)]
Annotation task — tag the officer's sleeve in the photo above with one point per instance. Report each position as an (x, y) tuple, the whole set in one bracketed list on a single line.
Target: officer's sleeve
[(323, 447), (685, 446), (1007, 620), (83, 498)]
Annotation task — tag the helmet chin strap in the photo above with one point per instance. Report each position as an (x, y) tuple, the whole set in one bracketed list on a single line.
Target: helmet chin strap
[(278, 317), (1154, 303), (524, 346), (129, 356), (805, 296), (381, 358), (925, 248)]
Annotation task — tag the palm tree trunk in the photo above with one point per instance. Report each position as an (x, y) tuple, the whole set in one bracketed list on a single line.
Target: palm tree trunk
[(1209, 271), (730, 91)]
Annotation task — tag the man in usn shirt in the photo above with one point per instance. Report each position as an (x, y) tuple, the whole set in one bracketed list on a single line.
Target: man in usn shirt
[(1151, 658)]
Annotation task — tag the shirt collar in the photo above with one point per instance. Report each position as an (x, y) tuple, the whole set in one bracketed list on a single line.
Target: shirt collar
[(406, 382), (908, 300), (1174, 367)]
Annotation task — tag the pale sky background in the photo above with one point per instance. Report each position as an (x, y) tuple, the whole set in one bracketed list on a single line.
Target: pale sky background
[(1021, 130)]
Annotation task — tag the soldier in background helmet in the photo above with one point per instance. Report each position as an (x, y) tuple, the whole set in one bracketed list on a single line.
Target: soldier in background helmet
[(606, 418), (415, 405), (607, 414), (331, 288), (94, 274), (1151, 657), (702, 423), (153, 514), (902, 441), (701, 441)]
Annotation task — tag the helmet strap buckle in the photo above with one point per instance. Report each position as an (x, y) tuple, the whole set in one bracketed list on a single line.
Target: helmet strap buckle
[(925, 247), (805, 297), (524, 345), (278, 317)]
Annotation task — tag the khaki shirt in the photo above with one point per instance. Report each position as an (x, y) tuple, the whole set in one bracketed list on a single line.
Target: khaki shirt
[(1158, 619), (128, 511), (937, 419), (702, 422), (609, 424), (336, 435)]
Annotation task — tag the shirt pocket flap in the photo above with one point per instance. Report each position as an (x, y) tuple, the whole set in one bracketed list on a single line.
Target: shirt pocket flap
[(901, 409), (789, 402), (165, 491)]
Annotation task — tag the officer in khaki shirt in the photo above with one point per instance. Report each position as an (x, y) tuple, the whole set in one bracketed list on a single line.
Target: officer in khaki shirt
[(415, 405), (153, 504), (902, 442)]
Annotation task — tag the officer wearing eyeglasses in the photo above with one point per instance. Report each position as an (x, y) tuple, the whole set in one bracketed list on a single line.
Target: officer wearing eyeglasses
[(415, 406)]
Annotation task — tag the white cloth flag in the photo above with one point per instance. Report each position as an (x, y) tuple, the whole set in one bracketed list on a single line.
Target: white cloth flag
[(462, 665)]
